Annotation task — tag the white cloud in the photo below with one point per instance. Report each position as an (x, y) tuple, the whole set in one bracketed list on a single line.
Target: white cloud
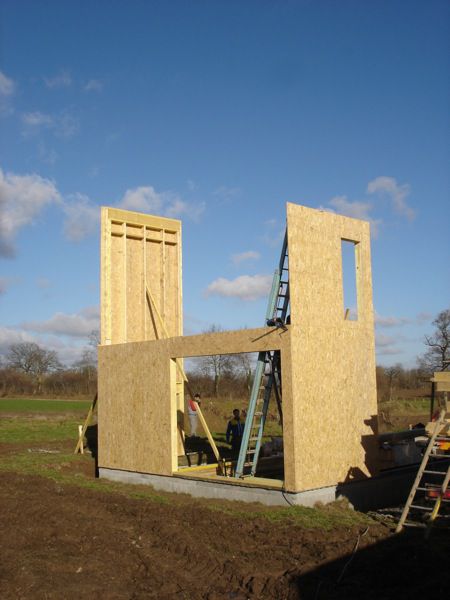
[(62, 125), (386, 345), (391, 321), (37, 119), (273, 236), (177, 208), (93, 85), (397, 193), (147, 199), (245, 287), (9, 336), (68, 351), (5, 282), (61, 80), (43, 283), (422, 317), (226, 194), (22, 199), (78, 325), (244, 256), (47, 155), (142, 199), (7, 85), (82, 217), (7, 89), (356, 210)]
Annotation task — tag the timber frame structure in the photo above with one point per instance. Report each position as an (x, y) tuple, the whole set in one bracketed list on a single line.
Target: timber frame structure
[(328, 373)]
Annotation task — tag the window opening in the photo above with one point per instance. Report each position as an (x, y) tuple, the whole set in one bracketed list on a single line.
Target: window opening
[(349, 279)]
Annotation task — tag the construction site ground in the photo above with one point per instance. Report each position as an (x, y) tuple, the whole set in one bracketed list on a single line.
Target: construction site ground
[(66, 534)]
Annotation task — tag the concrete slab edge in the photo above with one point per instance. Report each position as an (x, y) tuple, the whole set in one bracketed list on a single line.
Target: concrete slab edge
[(222, 491)]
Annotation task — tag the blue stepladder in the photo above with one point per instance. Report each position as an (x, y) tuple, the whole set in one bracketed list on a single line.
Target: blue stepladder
[(267, 376)]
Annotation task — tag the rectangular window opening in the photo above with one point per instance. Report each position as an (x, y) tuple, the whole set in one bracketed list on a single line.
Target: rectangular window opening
[(349, 279)]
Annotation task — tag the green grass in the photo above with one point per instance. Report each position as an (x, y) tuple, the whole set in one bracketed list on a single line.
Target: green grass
[(410, 406), (327, 517), (64, 468), (55, 465), (31, 405), (28, 430)]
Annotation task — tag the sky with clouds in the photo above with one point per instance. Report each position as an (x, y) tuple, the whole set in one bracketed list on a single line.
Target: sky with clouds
[(218, 113)]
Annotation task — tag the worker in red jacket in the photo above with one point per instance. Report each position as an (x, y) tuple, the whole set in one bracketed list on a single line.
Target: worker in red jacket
[(193, 415)]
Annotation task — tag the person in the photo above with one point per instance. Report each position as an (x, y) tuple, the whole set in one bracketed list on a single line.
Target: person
[(193, 415), (235, 430)]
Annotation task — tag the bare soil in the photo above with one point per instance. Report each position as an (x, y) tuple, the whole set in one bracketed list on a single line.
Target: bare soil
[(63, 542)]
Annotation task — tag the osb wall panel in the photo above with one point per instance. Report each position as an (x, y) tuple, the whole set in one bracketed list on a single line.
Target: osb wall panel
[(136, 410), (329, 426), (137, 394), (139, 250)]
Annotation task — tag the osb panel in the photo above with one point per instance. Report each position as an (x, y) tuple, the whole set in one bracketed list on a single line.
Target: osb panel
[(139, 250), (328, 434), (135, 410), (138, 394)]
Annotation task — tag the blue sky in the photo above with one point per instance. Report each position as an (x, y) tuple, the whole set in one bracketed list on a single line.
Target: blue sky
[(219, 113)]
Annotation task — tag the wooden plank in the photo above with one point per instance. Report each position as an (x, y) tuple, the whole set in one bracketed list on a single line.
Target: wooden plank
[(443, 376), (82, 433)]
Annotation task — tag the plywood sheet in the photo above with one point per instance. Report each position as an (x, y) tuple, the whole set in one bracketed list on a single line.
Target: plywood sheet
[(329, 428), (138, 407)]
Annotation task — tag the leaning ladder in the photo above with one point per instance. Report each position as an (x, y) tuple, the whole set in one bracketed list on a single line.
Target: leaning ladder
[(267, 373), (435, 452)]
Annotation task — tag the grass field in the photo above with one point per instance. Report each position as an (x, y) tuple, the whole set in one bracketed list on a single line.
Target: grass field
[(41, 442), (38, 405)]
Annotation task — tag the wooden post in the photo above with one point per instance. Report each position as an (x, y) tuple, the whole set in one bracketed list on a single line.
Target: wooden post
[(80, 438), (85, 426)]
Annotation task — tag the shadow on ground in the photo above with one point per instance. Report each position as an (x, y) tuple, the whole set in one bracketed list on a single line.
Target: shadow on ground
[(403, 566)]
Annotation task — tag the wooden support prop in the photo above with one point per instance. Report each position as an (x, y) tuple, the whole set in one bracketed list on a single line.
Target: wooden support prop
[(215, 450), (81, 434)]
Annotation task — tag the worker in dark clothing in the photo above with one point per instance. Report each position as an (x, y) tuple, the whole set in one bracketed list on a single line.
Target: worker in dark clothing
[(235, 430)]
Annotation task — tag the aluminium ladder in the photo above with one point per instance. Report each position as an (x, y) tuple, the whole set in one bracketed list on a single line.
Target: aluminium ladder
[(267, 373), (423, 515)]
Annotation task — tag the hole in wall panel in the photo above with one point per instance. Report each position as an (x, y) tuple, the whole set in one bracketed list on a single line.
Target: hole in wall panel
[(349, 280)]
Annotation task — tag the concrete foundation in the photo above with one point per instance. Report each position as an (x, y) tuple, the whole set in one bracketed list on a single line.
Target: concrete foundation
[(389, 489)]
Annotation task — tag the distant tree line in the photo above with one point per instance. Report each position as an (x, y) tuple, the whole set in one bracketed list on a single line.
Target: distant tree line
[(29, 369)]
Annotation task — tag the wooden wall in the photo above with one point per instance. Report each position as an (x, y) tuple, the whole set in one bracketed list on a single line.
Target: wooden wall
[(139, 250), (328, 362), (137, 408), (329, 427)]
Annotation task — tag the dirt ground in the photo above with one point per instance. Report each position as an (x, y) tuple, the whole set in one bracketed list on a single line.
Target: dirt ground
[(62, 542)]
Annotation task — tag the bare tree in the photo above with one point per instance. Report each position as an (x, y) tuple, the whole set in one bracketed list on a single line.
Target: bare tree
[(217, 365), (245, 364), (87, 366), (33, 360), (438, 354), (392, 374)]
